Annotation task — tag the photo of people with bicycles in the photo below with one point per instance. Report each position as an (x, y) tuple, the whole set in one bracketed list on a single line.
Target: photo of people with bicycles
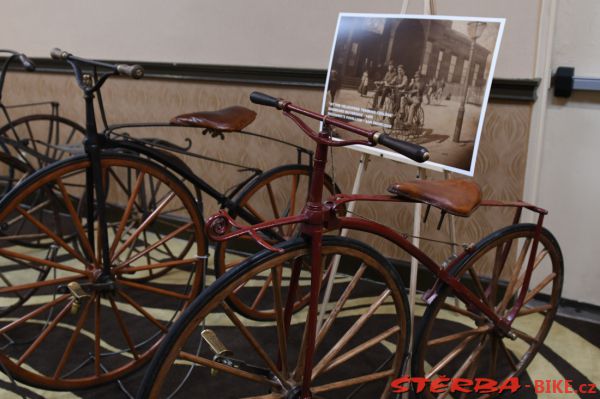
[(424, 79)]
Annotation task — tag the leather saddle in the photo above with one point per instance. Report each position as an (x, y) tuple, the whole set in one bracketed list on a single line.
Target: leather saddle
[(231, 119), (457, 197)]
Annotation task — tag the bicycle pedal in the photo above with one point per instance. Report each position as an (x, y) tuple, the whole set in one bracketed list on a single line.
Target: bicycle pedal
[(77, 291), (215, 344)]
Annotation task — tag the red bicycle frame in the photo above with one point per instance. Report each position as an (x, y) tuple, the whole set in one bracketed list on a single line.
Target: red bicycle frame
[(318, 217)]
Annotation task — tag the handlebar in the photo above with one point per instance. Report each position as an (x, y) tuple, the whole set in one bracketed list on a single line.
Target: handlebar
[(23, 59), (413, 151), (132, 71)]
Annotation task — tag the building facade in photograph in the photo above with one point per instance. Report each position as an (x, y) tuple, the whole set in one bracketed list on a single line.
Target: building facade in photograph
[(432, 47)]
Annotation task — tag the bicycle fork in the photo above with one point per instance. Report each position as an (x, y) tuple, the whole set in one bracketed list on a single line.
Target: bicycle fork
[(94, 182)]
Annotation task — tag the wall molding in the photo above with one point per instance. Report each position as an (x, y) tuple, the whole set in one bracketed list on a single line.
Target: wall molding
[(522, 90)]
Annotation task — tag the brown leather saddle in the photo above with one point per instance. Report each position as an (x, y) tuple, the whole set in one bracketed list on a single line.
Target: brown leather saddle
[(231, 119), (457, 197)]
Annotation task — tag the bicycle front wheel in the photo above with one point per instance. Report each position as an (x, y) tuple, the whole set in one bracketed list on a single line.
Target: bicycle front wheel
[(65, 323), (360, 347), (458, 341), (276, 193)]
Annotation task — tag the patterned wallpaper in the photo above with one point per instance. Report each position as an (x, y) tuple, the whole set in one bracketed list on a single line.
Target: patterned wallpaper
[(500, 166)]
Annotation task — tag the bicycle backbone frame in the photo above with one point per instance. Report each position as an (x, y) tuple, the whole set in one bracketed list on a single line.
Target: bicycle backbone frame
[(319, 217), (156, 150)]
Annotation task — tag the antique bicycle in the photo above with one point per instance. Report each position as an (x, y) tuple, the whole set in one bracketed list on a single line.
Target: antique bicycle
[(400, 125), (498, 297), (29, 142), (93, 275)]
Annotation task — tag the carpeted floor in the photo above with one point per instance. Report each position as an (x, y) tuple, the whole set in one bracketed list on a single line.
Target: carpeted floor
[(570, 352)]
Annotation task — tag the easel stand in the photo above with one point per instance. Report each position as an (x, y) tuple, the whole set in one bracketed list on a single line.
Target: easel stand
[(429, 9)]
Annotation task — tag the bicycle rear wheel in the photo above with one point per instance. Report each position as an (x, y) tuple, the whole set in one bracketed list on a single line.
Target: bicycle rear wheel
[(360, 346), (34, 141), (458, 341), (66, 326), (276, 193)]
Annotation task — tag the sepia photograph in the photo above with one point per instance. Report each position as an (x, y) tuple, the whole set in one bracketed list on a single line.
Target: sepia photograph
[(423, 79)]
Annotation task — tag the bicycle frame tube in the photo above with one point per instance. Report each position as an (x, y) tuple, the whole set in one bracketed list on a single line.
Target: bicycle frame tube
[(180, 168), (325, 219), (92, 147), (312, 228)]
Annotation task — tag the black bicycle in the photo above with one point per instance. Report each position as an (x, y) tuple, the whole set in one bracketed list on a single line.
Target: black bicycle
[(117, 247), (30, 142)]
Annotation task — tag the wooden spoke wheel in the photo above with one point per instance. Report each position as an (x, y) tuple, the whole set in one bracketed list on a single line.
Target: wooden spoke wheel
[(360, 344), (280, 192), (33, 142), (458, 341), (65, 323)]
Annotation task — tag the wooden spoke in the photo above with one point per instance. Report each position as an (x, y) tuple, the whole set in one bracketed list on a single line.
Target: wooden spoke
[(30, 210), (156, 244), (350, 333), (11, 254), (154, 290), (514, 275), (273, 202), (525, 337), (126, 189), (281, 330), (525, 310), (521, 280), (363, 379), (22, 237), (499, 260), (254, 343), (254, 212), (292, 204), (71, 344), (299, 370), (143, 225), (38, 341), (161, 265), (450, 356), (143, 311), (470, 362), (339, 305), (479, 287), (361, 348), (227, 369), (97, 336), (464, 312), (262, 292), (126, 335), (75, 219), (32, 314), (493, 357), (51, 234), (126, 213), (460, 335), (507, 354), (32, 139), (531, 294)]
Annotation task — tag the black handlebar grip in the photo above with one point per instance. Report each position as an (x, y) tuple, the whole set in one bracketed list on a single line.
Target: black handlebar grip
[(27, 63), (413, 151), (264, 99), (58, 54), (133, 71)]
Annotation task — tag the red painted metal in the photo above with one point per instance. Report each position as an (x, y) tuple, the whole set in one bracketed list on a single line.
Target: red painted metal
[(318, 217)]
